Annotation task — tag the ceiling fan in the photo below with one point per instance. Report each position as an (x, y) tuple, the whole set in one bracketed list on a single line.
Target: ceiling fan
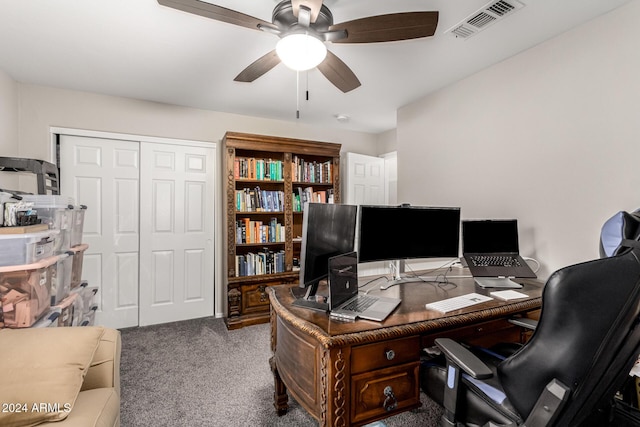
[(311, 23)]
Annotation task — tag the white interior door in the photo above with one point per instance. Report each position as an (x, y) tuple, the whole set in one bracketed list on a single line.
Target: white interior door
[(103, 174), (364, 180), (177, 223)]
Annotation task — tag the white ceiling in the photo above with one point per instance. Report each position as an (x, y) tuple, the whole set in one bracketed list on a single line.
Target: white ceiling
[(139, 49)]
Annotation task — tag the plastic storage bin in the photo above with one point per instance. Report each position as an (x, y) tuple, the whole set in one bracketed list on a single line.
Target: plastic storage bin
[(76, 267), (77, 225), (57, 212), (26, 248), (66, 307), (25, 292), (83, 303), (86, 294), (89, 317), (61, 277), (50, 319)]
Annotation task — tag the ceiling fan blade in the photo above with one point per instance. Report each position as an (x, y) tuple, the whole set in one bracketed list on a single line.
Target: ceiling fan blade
[(218, 13), (386, 28), (259, 67), (338, 73), (313, 5)]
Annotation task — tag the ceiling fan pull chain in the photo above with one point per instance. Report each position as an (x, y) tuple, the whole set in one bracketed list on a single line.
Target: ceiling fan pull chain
[(307, 76), (297, 94)]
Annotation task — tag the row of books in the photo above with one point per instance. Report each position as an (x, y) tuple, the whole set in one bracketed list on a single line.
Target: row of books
[(257, 200), (273, 170), (265, 262), (309, 195), (304, 171), (258, 169), (250, 231)]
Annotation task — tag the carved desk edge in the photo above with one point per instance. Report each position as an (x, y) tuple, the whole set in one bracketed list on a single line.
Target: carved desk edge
[(398, 331)]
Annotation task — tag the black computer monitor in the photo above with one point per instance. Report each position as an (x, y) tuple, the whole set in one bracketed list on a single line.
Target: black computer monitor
[(327, 230), (408, 232)]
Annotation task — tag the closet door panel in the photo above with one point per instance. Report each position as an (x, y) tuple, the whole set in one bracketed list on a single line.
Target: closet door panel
[(103, 174), (177, 224)]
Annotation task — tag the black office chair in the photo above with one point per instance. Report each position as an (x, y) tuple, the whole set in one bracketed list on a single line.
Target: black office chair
[(617, 230), (585, 344)]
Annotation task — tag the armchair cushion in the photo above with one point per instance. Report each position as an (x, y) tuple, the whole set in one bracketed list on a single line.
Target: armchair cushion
[(44, 371)]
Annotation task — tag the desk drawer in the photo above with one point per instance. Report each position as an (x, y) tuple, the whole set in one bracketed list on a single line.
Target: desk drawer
[(483, 334), (384, 392), (381, 355)]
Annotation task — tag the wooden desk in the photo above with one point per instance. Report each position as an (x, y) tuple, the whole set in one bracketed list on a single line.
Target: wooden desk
[(353, 373)]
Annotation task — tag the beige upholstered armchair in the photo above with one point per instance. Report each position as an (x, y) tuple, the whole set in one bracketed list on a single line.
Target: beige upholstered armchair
[(67, 377)]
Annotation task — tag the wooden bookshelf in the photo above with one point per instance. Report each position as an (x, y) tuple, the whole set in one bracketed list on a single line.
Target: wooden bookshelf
[(266, 178)]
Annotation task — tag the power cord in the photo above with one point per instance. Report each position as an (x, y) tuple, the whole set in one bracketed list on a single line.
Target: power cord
[(441, 283)]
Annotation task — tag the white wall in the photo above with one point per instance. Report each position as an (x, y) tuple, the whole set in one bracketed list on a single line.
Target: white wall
[(387, 141), (550, 136), (8, 126), (42, 107)]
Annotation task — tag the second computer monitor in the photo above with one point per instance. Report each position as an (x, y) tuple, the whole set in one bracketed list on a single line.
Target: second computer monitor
[(408, 232)]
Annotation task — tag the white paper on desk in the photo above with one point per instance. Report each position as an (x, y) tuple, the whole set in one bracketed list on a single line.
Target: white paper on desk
[(508, 295)]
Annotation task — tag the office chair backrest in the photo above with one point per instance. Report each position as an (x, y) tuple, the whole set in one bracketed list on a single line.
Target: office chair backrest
[(586, 336), (617, 230)]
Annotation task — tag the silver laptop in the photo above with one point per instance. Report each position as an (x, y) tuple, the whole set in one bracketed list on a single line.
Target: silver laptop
[(344, 300)]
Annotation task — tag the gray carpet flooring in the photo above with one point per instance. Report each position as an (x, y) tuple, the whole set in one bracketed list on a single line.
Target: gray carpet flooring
[(197, 373)]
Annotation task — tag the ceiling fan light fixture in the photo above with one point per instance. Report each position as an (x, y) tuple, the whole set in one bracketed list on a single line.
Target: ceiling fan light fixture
[(301, 51)]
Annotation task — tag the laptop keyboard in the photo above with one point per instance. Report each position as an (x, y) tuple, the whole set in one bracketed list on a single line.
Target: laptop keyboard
[(494, 261), (360, 304)]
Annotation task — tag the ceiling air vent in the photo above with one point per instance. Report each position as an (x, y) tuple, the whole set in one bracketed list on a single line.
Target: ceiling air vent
[(483, 18)]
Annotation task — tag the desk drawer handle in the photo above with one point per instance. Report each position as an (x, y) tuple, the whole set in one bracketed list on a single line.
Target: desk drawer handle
[(390, 354), (390, 403)]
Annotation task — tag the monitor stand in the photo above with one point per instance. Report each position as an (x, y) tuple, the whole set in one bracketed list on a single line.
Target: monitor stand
[(397, 266), (309, 298), (298, 292), (497, 282)]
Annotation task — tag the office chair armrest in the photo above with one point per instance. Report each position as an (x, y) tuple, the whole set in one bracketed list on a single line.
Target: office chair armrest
[(524, 322), (549, 404), (459, 360), (463, 358)]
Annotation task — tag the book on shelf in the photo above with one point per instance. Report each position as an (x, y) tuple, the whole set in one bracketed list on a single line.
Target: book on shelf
[(305, 171), (308, 194), (249, 231), (258, 169), (264, 262), (257, 200)]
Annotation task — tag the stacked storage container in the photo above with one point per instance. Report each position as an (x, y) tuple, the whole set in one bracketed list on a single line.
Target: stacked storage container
[(77, 308), (57, 213), (27, 264), (84, 308), (37, 269), (25, 292)]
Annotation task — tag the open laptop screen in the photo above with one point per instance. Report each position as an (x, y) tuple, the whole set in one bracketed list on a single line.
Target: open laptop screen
[(489, 236)]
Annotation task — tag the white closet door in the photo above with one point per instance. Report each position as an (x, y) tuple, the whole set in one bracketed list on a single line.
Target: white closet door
[(104, 175), (177, 238)]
